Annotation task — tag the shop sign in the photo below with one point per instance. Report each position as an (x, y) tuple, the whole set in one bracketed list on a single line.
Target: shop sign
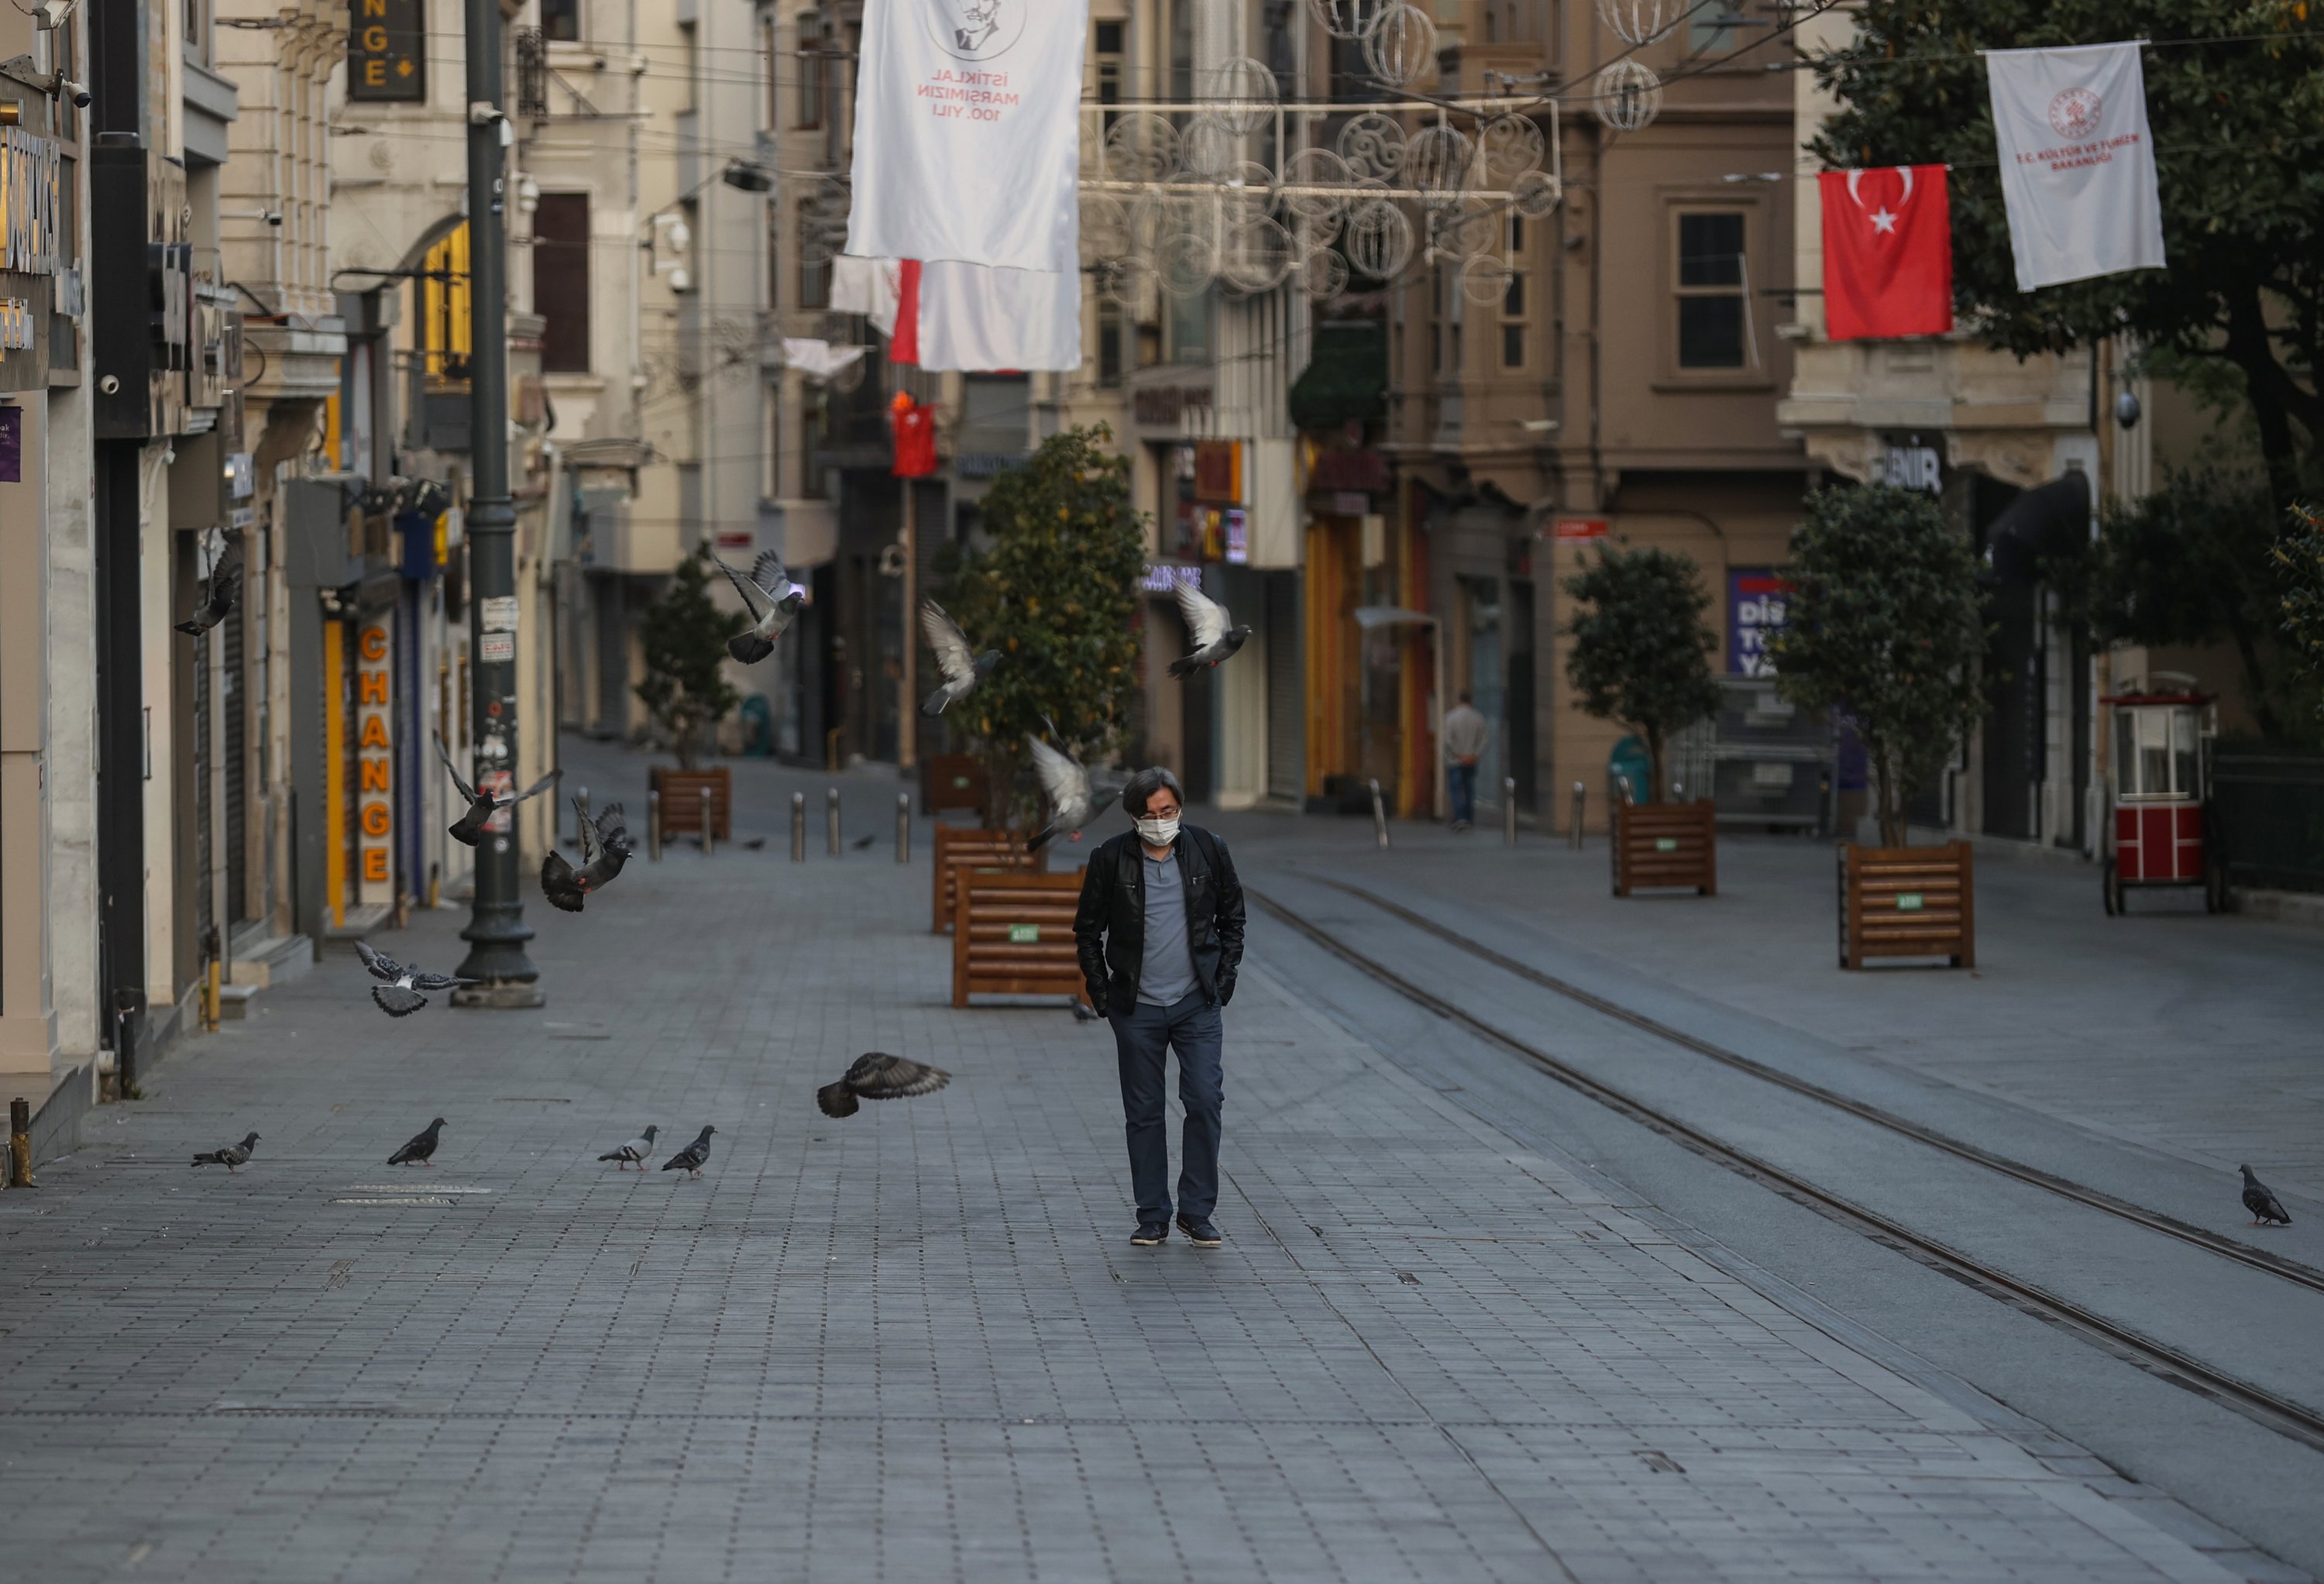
[(374, 766), (387, 50), (1218, 472), (496, 614), (1349, 470), (1164, 406), (1161, 577), (1906, 464), (1755, 602), (12, 445), (1237, 534), (31, 167), (1579, 528)]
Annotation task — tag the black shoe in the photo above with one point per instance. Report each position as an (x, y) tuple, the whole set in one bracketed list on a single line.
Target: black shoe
[(1149, 1234), (1201, 1234)]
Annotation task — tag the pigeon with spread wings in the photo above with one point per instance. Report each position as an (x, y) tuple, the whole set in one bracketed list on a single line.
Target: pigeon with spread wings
[(876, 1075), (1074, 802), (470, 827), (962, 668), (1206, 628), (399, 995), (604, 848), (223, 593), (769, 598)]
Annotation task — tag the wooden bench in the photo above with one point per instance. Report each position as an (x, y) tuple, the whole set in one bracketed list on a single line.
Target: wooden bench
[(1666, 845), (1013, 935), (681, 800), (952, 780), (958, 844), (1907, 902)]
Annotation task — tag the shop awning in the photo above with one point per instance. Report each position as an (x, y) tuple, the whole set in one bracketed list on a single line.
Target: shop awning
[(1346, 376), (2049, 522)]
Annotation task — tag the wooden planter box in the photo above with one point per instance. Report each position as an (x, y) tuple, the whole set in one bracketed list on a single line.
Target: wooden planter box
[(952, 780), (1013, 935), (957, 845), (681, 800), (1666, 845), (1907, 902)]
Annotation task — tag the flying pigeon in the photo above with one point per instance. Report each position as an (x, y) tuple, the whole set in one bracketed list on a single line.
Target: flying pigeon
[(469, 828), (400, 996), (231, 1156), (861, 843), (689, 1159), (876, 1076), (962, 668), (1206, 625), (604, 848), (634, 1152), (1073, 803), (2264, 1206), (422, 1146), (769, 598), (223, 593)]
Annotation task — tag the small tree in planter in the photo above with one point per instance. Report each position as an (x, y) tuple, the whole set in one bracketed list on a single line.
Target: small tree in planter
[(1885, 627), (1641, 653), (1055, 593), (684, 635)]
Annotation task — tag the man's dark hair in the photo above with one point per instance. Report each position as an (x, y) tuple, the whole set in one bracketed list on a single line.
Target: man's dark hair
[(1143, 784), (1464, 696)]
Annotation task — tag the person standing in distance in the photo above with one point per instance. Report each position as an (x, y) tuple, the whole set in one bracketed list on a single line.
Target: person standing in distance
[(1466, 736), (1159, 931)]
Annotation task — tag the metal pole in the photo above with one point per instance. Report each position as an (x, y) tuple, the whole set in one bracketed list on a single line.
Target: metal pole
[(1379, 816), (19, 1143), (1573, 836), (908, 717), (653, 826), (831, 818), (706, 812), (798, 828), (579, 819), (1508, 811), (496, 931), (903, 827)]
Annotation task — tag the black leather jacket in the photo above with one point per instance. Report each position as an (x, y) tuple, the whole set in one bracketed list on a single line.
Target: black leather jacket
[(1110, 929)]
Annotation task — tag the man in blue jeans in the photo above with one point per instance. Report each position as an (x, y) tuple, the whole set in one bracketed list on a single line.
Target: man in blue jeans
[(1161, 936)]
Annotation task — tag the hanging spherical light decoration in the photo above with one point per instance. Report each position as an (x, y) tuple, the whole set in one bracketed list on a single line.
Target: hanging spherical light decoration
[(1372, 146), (1325, 177), (1509, 146), (1324, 273), (823, 220), (1534, 195), (1485, 279), (1378, 239), (1627, 95), (1206, 148), (1345, 19), (1241, 91), (1436, 162), (1400, 46), (1258, 256), (1641, 22), (1141, 146)]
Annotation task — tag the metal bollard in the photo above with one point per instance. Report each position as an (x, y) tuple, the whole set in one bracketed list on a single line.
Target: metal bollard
[(1573, 836), (579, 817), (19, 1143), (903, 827), (653, 826), (1379, 816), (798, 828), (705, 821), (1508, 811), (831, 818)]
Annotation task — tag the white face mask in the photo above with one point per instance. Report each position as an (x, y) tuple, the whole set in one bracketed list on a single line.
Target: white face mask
[(1158, 833)]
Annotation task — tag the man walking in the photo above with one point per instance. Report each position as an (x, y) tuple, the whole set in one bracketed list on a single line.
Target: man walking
[(1161, 936), (1466, 736)]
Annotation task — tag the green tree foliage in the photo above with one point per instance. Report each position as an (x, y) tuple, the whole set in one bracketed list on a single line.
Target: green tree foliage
[(1056, 593), (685, 635), (1883, 626), (1641, 653), (2236, 137), (2299, 558), (2190, 563)]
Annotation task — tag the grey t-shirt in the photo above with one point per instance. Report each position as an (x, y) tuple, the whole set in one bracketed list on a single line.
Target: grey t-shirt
[(1167, 972)]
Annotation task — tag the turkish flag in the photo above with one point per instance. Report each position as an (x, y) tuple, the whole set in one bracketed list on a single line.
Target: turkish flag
[(1887, 252), (915, 438)]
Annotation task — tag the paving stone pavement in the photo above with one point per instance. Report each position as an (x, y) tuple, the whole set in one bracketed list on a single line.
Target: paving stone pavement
[(915, 1344)]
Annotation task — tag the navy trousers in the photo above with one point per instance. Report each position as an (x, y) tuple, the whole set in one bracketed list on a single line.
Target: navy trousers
[(1191, 1028)]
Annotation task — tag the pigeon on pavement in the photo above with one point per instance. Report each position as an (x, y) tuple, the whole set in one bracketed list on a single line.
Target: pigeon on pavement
[(604, 848), (469, 828), (879, 1076), (634, 1152), (1073, 802), (861, 843), (400, 996), (689, 1159), (2264, 1206), (231, 1156), (422, 1146), (769, 598), (223, 593), (962, 668), (1206, 625)]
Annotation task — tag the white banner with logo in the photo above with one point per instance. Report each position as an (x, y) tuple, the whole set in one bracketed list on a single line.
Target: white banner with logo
[(968, 133), (2077, 162), (981, 321)]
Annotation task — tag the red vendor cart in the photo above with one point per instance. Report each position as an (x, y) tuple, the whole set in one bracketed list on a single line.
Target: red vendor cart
[(2159, 833)]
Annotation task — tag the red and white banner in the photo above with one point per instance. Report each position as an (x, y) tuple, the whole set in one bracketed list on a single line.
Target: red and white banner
[(1887, 252), (2077, 162), (942, 315), (968, 133)]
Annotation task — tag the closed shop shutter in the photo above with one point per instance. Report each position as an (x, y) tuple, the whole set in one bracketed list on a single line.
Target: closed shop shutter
[(237, 737), (1287, 697)]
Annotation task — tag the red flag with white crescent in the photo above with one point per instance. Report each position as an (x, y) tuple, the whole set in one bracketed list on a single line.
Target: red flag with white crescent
[(1887, 252)]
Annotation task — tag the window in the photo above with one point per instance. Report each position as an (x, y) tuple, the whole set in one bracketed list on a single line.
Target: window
[(1182, 50), (1109, 68), (811, 64), (1710, 285), (560, 281), (1188, 326), (692, 67), (1109, 344), (560, 19), (1512, 302), (773, 108), (1711, 27), (815, 284)]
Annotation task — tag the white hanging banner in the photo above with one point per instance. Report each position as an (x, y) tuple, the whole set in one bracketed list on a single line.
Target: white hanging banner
[(982, 321), (2077, 162), (866, 287), (968, 133)]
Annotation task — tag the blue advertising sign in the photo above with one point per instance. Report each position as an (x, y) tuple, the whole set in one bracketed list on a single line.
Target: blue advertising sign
[(1756, 598)]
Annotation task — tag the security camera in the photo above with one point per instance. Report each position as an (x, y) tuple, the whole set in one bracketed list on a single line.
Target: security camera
[(77, 92)]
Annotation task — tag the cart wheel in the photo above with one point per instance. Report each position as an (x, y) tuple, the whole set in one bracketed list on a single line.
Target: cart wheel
[(2215, 889), (2112, 882)]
